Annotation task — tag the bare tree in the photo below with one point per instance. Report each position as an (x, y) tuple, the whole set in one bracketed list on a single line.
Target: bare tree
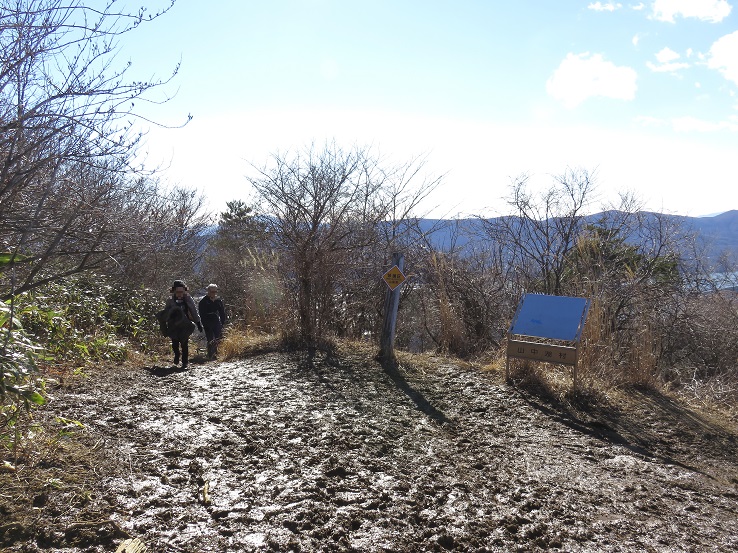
[(68, 185), (333, 215), (541, 232), (466, 298), (159, 235)]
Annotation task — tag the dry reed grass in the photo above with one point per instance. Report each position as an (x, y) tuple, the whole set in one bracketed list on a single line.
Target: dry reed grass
[(243, 341)]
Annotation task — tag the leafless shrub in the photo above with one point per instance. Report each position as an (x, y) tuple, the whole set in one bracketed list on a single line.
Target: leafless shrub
[(703, 341), (334, 217), (465, 302), (721, 390), (72, 195), (537, 238)]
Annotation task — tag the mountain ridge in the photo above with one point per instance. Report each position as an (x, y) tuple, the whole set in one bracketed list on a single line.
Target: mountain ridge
[(717, 234)]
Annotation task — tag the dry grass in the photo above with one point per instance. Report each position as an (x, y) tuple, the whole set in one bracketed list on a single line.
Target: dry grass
[(240, 342), (600, 374), (51, 481), (717, 393), (606, 362), (428, 361), (362, 348)]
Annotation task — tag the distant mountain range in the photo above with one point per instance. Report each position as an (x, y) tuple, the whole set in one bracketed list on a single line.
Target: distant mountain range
[(720, 232), (717, 234)]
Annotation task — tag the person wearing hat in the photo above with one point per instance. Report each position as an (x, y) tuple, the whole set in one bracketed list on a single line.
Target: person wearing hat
[(181, 316), (213, 316)]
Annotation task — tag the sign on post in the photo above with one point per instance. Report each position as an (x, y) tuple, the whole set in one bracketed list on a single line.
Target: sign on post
[(547, 328), (394, 277)]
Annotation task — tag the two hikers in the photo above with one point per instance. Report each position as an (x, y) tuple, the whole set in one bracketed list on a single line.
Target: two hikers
[(180, 316)]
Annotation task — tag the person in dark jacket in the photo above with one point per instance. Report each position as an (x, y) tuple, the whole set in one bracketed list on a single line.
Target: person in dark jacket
[(179, 318), (213, 316)]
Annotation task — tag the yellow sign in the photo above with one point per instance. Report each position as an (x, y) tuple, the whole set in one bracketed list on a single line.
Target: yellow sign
[(394, 277)]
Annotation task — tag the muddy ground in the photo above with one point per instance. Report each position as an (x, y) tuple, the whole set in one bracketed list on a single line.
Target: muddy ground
[(275, 453)]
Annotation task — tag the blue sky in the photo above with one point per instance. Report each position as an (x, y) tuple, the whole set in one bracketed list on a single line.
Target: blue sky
[(642, 94)]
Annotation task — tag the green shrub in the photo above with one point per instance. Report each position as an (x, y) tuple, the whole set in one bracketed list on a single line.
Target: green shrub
[(82, 319), (89, 318), (20, 384)]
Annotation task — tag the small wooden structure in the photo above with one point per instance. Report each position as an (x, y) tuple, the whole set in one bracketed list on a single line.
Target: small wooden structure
[(547, 328)]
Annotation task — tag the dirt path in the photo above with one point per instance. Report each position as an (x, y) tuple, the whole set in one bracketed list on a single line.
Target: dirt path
[(273, 454)]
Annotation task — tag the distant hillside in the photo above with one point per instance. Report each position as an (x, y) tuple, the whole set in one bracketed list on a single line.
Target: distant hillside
[(718, 234)]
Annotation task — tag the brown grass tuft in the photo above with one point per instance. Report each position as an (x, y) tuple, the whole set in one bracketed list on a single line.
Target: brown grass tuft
[(240, 342)]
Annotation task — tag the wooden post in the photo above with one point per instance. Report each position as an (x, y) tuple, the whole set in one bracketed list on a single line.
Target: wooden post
[(391, 304)]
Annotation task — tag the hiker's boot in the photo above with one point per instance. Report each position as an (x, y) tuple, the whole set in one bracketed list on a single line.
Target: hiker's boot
[(185, 355)]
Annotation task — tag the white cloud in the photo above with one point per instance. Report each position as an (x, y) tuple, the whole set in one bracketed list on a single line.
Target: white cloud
[(636, 39), (693, 124), (666, 67), (723, 56), (606, 7), (661, 165), (667, 62), (649, 121), (666, 55), (689, 124), (638, 7), (706, 10), (582, 76)]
